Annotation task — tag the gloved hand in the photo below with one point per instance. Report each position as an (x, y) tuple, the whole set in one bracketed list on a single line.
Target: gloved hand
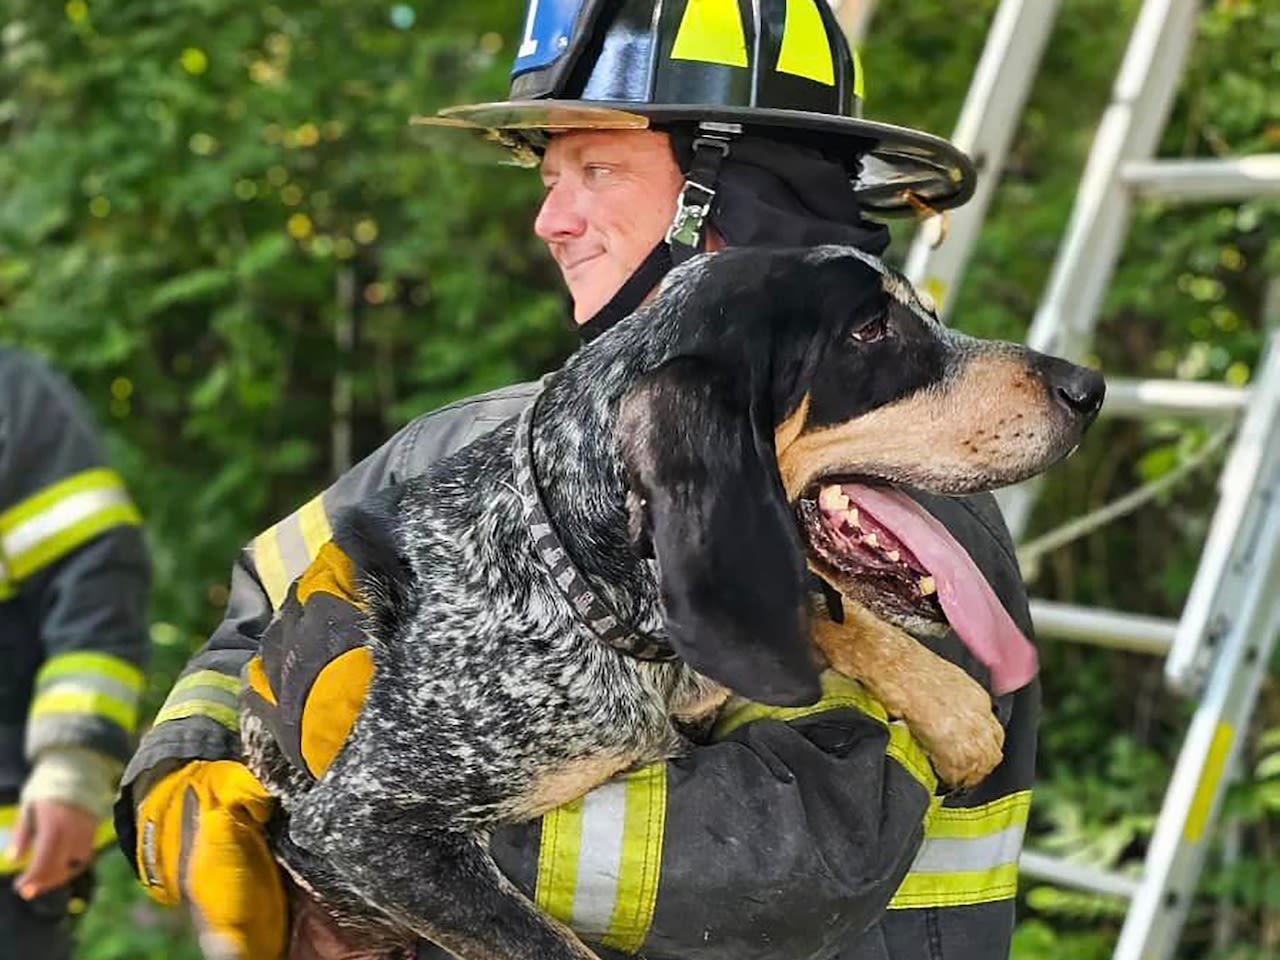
[(202, 841)]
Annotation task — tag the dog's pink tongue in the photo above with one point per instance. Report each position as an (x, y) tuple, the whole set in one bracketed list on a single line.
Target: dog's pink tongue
[(970, 604)]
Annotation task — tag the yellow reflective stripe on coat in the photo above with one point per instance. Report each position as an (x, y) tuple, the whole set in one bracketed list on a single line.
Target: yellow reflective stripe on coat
[(63, 516), (204, 693), (806, 49), (7, 587), (282, 552), (103, 837), (969, 856), (72, 685), (601, 856), (838, 692), (711, 31)]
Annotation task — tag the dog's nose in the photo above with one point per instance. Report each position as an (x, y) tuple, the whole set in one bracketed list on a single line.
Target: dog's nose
[(1078, 390)]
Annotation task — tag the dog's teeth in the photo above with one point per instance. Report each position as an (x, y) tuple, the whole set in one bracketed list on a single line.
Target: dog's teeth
[(871, 540), (852, 515), (832, 499), (927, 586), (894, 555)]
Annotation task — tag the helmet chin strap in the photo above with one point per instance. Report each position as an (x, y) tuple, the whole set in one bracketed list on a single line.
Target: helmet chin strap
[(685, 237), (631, 294)]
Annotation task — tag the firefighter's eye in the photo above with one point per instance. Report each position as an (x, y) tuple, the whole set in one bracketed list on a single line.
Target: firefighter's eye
[(872, 329)]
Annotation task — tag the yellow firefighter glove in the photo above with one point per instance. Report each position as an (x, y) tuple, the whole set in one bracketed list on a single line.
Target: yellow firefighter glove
[(202, 841)]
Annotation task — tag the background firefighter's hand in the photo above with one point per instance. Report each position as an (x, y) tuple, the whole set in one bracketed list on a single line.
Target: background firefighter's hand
[(202, 842), (58, 836)]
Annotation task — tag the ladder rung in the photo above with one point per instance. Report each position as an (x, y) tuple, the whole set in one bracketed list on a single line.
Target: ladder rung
[(1232, 178), (1067, 874), (1140, 398), (1104, 628)]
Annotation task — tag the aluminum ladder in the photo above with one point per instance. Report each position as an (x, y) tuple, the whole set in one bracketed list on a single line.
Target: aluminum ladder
[(1218, 650)]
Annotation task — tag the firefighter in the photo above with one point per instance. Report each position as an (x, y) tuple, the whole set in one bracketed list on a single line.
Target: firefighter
[(660, 129), (74, 577)]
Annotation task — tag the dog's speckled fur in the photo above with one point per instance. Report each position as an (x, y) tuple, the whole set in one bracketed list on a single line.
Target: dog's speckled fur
[(490, 701)]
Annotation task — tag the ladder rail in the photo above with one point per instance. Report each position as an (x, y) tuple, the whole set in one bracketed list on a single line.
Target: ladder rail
[(1130, 128), (1222, 579), (992, 108), (1178, 846)]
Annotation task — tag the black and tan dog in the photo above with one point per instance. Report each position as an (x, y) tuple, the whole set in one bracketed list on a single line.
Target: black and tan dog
[(552, 604)]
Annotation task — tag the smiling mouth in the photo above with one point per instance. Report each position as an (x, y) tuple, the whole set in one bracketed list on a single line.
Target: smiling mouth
[(571, 265)]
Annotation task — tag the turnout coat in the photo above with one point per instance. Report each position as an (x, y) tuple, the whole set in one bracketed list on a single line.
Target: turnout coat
[(74, 575), (793, 832)]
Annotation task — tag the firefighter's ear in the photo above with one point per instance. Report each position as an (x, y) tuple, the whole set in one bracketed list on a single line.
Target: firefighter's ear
[(697, 444)]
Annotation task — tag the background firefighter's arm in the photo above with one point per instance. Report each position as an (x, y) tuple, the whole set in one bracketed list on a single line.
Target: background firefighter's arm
[(75, 567)]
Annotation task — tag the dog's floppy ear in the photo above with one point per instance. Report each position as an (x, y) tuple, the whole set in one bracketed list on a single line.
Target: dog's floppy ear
[(696, 438)]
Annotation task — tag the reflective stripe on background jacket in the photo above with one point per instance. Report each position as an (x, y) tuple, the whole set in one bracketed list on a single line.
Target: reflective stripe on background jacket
[(73, 583), (786, 837)]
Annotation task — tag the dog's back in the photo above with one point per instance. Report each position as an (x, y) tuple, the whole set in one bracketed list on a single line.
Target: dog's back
[(488, 701)]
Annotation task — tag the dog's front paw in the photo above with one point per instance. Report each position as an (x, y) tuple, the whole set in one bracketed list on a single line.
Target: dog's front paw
[(960, 733)]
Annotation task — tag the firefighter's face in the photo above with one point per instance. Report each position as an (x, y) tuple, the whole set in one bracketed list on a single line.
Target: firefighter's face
[(610, 195)]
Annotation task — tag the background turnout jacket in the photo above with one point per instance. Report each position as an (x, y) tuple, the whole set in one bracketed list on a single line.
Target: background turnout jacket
[(74, 576), (804, 832)]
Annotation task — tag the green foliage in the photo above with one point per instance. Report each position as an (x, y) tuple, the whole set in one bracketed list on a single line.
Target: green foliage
[(123, 926), (214, 217)]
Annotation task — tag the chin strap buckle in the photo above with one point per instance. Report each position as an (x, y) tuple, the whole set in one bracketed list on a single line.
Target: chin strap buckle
[(691, 213), (684, 236)]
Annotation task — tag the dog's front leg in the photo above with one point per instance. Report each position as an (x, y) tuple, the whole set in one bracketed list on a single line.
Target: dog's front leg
[(441, 884), (948, 711)]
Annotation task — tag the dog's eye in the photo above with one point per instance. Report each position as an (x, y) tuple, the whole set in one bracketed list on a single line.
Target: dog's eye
[(869, 331)]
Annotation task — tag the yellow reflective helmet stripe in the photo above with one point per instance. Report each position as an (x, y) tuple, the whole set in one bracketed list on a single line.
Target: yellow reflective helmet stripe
[(204, 693), (282, 552), (73, 686), (104, 836), (969, 855), (600, 859), (711, 31), (859, 78), (51, 523), (806, 49)]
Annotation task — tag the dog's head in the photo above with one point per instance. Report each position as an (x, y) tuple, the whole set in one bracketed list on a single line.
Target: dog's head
[(802, 387)]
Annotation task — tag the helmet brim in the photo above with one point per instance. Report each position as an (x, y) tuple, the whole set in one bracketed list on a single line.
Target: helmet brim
[(901, 169)]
